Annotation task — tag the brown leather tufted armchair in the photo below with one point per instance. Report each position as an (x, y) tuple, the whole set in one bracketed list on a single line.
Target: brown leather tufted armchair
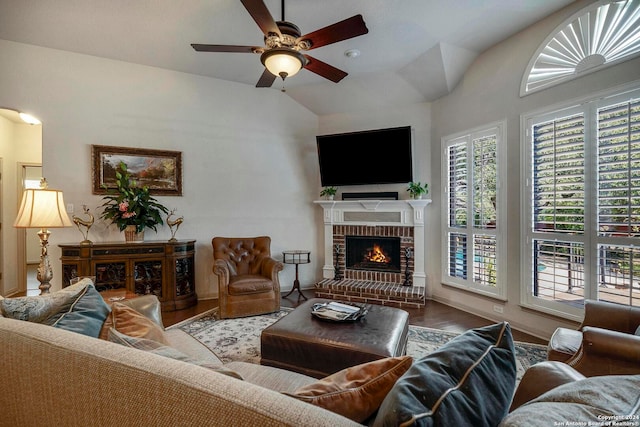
[(247, 276), (604, 344)]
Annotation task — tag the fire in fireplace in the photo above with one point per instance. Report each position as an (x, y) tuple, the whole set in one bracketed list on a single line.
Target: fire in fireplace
[(373, 253)]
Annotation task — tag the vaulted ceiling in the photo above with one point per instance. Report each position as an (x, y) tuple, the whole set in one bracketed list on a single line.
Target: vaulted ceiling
[(415, 51)]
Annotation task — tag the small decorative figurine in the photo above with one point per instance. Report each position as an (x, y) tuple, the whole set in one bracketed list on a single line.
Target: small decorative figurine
[(79, 222), (174, 223)]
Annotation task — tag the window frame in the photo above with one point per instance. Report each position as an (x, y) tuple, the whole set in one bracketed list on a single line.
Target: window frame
[(574, 58), (589, 106), (499, 128)]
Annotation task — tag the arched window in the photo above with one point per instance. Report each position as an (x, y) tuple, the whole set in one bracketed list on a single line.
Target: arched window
[(602, 34)]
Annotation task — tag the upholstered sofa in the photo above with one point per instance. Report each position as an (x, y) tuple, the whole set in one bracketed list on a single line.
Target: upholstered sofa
[(60, 377)]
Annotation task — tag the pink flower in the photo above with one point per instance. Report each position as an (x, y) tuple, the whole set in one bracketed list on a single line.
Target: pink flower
[(128, 215), (123, 206)]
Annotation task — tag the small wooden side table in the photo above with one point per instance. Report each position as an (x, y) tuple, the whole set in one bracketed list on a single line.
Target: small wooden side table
[(296, 257)]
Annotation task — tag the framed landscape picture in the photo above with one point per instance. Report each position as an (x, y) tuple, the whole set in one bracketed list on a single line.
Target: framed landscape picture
[(160, 170)]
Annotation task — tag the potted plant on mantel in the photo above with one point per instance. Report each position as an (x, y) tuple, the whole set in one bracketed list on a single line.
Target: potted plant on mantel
[(329, 192), (417, 190), (131, 207)]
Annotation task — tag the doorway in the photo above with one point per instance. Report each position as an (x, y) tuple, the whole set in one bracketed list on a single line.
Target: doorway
[(20, 145), (28, 240)]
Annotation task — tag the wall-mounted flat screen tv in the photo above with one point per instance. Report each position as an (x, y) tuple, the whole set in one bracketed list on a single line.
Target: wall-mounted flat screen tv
[(381, 156)]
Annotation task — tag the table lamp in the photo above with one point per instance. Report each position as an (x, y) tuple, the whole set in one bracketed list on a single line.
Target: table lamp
[(43, 208)]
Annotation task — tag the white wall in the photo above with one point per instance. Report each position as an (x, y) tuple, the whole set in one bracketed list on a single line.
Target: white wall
[(490, 92), (249, 154), (418, 116), (19, 143)]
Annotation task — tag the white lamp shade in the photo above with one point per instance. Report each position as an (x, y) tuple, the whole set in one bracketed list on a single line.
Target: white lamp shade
[(42, 208)]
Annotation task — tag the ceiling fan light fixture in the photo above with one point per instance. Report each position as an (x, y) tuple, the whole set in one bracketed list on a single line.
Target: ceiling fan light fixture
[(283, 42), (283, 62)]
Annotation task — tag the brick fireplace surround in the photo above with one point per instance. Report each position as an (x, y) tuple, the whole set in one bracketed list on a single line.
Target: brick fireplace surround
[(374, 218)]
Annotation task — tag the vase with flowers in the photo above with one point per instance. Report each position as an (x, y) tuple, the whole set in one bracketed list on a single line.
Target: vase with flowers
[(131, 208)]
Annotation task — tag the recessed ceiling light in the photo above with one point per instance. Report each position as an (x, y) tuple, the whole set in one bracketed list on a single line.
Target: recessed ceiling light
[(352, 53), (28, 118)]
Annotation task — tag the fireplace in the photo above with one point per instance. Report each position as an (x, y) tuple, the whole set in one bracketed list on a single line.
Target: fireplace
[(373, 253), (358, 235)]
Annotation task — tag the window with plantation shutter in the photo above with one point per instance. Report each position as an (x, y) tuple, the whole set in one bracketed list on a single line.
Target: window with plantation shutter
[(472, 239), (583, 186)]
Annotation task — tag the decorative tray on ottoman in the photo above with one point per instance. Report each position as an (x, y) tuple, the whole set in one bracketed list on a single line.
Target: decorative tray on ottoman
[(338, 311)]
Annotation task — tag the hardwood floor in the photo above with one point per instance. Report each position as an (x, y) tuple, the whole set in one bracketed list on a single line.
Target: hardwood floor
[(433, 315)]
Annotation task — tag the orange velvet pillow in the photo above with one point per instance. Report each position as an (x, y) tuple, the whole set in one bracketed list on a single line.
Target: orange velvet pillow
[(128, 321), (358, 391)]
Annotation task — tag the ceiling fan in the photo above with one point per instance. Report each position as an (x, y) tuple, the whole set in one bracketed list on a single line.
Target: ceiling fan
[(281, 54)]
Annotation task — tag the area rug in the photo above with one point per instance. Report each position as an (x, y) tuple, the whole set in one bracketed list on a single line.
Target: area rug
[(239, 339)]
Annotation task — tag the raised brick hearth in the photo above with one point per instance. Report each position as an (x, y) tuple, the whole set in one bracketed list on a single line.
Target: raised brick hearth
[(363, 291), (401, 219)]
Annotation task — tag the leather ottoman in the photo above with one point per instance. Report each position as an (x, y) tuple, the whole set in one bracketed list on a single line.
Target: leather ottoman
[(302, 343)]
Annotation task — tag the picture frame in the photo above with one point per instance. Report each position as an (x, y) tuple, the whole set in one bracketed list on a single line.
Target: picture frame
[(160, 170)]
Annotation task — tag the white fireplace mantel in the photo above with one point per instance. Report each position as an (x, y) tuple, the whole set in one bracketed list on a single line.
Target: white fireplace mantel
[(402, 213)]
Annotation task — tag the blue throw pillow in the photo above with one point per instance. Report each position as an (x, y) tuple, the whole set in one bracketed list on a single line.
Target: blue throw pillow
[(42, 308), (467, 382), (86, 315)]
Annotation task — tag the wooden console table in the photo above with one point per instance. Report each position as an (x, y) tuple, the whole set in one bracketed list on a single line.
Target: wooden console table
[(165, 269)]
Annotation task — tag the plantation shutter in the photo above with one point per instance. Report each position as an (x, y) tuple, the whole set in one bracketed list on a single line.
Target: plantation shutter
[(558, 155), (619, 202), (484, 208), (558, 175), (484, 182), (619, 169), (457, 218), (458, 172)]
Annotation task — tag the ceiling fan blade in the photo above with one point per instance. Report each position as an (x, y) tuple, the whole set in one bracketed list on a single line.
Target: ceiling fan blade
[(325, 70), (262, 16), (266, 79), (343, 30), (223, 48)]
